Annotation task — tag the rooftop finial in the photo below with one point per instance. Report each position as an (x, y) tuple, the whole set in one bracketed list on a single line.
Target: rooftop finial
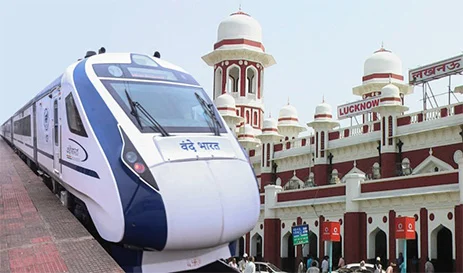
[(382, 44), (288, 100), (390, 78), (240, 5), (323, 99)]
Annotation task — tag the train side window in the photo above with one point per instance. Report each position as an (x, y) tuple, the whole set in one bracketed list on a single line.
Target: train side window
[(74, 121)]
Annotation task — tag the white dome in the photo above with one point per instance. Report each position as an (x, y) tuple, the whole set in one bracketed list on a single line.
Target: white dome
[(239, 25), (288, 111), (323, 110), (390, 91), (383, 61), (247, 131), (270, 123), (225, 101)]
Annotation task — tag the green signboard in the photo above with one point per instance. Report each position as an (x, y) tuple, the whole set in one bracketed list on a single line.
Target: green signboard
[(300, 234)]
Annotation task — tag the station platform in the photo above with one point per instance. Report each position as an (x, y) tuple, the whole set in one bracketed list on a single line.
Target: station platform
[(37, 233)]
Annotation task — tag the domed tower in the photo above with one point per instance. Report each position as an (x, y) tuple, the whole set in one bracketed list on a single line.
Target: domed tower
[(380, 69), (227, 109), (239, 60), (323, 122), (390, 106), (268, 137), (288, 122), (247, 137)]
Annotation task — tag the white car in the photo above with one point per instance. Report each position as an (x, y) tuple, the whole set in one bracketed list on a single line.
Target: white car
[(263, 267), (356, 268)]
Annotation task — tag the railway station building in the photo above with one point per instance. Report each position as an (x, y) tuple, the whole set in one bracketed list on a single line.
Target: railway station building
[(392, 164)]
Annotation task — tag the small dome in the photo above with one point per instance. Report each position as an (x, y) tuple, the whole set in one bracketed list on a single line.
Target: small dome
[(323, 111), (286, 112), (239, 25), (247, 131), (270, 123), (390, 91), (225, 100), (270, 127), (383, 61)]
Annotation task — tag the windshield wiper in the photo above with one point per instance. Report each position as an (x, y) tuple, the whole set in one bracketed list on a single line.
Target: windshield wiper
[(209, 109), (134, 106)]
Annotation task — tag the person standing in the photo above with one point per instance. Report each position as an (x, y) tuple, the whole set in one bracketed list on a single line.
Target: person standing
[(313, 268), (300, 268), (325, 264), (243, 262), (232, 263), (309, 262), (428, 266), (390, 268), (378, 266), (341, 262), (250, 266)]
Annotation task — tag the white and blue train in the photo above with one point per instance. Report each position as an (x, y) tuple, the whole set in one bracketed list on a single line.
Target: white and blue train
[(139, 142)]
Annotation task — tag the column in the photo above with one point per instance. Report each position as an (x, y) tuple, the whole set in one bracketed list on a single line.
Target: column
[(321, 243), (424, 237), (272, 226), (459, 221), (355, 222), (392, 240)]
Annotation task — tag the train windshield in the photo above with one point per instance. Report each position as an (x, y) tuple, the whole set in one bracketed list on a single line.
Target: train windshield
[(175, 107)]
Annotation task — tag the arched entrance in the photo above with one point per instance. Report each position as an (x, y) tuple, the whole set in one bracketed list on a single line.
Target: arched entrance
[(256, 247), (241, 247), (412, 255), (289, 255), (337, 253), (378, 246), (442, 249), (313, 245)]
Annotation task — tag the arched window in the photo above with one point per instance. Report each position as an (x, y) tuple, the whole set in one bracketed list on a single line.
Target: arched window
[(233, 79), (251, 80), (218, 82), (255, 119)]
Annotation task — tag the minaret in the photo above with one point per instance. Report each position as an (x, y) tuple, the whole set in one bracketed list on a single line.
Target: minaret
[(288, 122), (380, 69), (227, 109), (390, 106), (269, 138), (239, 60), (322, 124)]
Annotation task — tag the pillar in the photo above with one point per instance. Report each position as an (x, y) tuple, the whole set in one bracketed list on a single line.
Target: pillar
[(423, 237), (459, 221), (321, 243), (459, 237), (355, 222), (272, 239), (272, 226), (392, 239)]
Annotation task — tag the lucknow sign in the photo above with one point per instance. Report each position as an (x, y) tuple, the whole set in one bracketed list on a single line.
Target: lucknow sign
[(358, 107), (300, 234)]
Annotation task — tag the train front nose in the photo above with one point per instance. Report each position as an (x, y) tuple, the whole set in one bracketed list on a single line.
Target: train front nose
[(207, 202)]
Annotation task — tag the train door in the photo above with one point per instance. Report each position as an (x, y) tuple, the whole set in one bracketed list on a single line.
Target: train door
[(56, 137)]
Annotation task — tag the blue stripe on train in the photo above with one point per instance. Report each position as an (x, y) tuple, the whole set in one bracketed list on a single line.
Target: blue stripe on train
[(144, 211)]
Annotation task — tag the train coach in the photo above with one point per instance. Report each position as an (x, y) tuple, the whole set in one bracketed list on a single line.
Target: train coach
[(139, 144)]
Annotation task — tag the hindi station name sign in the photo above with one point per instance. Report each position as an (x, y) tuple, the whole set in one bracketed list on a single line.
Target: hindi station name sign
[(436, 70), (300, 234)]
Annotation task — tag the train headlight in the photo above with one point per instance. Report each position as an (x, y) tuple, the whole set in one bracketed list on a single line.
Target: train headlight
[(131, 157), (139, 168), (135, 163)]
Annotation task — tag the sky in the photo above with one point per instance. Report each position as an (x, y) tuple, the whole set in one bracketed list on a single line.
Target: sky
[(319, 46)]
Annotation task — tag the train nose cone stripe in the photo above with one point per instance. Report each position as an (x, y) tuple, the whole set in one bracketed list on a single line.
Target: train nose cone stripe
[(193, 205)]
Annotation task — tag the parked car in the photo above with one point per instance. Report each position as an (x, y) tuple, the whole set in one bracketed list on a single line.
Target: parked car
[(264, 267), (356, 268)]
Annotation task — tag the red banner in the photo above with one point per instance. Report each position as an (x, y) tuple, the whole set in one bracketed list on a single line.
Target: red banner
[(405, 228), (331, 231)]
